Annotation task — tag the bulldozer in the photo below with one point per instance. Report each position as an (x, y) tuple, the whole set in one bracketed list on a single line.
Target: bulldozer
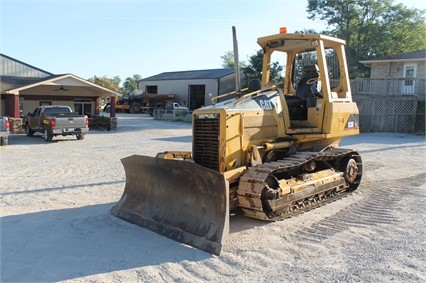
[(269, 151)]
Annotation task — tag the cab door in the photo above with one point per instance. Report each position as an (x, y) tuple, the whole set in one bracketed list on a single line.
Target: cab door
[(34, 120)]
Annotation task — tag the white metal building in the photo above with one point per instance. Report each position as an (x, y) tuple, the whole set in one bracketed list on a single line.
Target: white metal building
[(195, 88)]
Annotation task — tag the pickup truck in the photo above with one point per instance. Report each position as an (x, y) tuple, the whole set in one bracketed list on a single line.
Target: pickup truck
[(56, 120), (177, 108), (4, 130)]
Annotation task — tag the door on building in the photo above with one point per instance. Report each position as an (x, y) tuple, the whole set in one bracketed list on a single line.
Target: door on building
[(197, 94), (409, 83), (83, 107)]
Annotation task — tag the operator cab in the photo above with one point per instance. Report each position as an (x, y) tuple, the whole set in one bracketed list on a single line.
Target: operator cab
[(315, 75)]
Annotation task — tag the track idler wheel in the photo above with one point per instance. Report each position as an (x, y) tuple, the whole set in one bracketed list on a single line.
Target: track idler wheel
[(352, 170)]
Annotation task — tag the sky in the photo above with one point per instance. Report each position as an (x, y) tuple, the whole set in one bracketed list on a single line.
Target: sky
[(146, 37)]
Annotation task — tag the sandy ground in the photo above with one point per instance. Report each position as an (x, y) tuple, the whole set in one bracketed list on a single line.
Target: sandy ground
[(56, 226)]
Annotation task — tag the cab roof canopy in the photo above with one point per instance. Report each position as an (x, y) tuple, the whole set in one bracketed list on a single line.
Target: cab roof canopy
[(294, 41)]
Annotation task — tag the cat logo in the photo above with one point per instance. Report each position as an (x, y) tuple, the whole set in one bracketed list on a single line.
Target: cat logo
[(353, 122)]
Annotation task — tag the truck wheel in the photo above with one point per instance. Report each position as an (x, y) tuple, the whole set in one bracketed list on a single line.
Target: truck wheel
[(28, 131), (80, 136), (3, 141), (135, 107), (48, 135)]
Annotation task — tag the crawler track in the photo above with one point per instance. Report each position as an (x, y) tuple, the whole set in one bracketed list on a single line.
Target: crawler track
[(305, 180)]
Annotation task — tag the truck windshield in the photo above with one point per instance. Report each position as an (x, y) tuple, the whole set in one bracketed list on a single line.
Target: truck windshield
[(56, 110)]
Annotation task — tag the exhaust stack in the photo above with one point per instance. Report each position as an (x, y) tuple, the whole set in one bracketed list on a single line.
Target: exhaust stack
[(236, 63)]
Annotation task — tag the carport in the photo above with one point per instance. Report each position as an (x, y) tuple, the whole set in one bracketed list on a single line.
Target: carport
[(22, 94)]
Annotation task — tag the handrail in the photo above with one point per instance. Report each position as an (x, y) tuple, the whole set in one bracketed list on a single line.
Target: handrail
[(225, 94), (269, 87), (388, 86)]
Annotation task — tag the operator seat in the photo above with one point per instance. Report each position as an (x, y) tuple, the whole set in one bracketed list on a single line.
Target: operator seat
[(305, 90), (254, 85), (306, 94)]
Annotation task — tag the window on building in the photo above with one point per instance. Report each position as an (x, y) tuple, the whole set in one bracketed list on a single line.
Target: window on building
[(83, 107), (151, 89)]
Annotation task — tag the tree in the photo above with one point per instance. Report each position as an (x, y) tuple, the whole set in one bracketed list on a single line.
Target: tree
[(253, 70), (112, 84), (131, 83), (371, 28), (228, 60)]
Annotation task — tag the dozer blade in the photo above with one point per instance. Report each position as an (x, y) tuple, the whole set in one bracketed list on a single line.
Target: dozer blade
[(178, 199)]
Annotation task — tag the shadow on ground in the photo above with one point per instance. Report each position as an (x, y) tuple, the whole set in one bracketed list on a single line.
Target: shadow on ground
[(56, 245)]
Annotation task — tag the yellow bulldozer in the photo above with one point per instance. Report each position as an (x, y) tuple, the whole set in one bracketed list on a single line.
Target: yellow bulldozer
[(267, 151)]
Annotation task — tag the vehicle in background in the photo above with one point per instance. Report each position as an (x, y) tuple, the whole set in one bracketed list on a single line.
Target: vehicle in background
[(4, 130), (56, 120), (142, 102), (173, 108)]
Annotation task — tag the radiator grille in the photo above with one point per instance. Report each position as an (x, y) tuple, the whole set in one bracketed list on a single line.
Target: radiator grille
[(206, 142)]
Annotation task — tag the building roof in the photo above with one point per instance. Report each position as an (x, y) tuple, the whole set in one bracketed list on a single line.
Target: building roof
[(192, 75), (17, 76), (12, 82), (4, 58), (9, 84), (419, 55)]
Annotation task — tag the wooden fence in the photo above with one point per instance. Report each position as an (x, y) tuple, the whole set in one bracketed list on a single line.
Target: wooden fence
[(390, 105)]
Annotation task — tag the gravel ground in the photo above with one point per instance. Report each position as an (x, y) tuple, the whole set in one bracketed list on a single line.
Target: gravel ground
[(56, 226)]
